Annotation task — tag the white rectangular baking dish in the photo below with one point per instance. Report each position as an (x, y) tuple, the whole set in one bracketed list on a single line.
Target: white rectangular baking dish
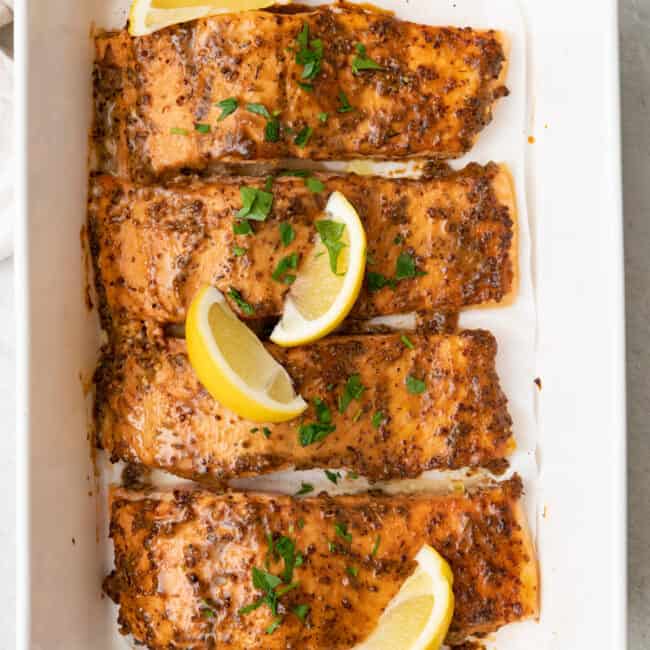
[(573, 195)]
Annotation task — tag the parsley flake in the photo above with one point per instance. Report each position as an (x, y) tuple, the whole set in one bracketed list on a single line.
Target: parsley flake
[(319, 430), (266, 432), (406, 267), (178, 131), (242, 227), (345, 106), (375, 547), (353, 390), (303, 137), (228, 107), (238, 299), (330, 234), (202, 128), (287, 233), (323, 117), (352, 571), (415, 386), (301, 611), (275, 624), (309, 54), (259, 109), (377, 281), (290, 262), (407, 342), (362, 61), (377, 419), (305, 488), (314, 185), (341, 530), (256, 204), (238, 251), (333, 476)]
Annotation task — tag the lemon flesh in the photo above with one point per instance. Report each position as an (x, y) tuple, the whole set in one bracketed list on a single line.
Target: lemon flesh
[(148, 16), (320, 299), (419, 615), (234, 366)]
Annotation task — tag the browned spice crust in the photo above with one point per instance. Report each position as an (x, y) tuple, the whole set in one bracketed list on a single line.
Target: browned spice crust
[(154, 246), (434, 93), (151, 409), (177, 554)]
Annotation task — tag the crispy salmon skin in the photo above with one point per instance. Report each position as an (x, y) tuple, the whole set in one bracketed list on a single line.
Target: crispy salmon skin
[(433, 243), (376, 87), (151, 409), (184, 562)]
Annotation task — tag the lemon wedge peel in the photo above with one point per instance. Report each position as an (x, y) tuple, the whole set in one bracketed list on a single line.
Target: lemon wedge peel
[(419, 616), (217, 374), (148, 16), (295, 328)]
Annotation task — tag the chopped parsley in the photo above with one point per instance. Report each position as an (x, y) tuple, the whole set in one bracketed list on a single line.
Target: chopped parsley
[(287, 233), (407, 342), (259, 109), (301, 611), (288, 263), (266, 432), (375, 547), (398, 240), (242, 227), (323, 117), (333, 476), (309, 88), (238, 299), (352, 571), (406, 267), (285, 547), (178, 131), (275, 624), (305, 488), (272, 129), (309, 54), (415, 386), (202, 128), (301, 523), (206, 610), (341, 530), (330, 234), (228, 107), (319, 430), (404, 270), (362, 61), (314, 185), (345, 106), (268, 184), (377, 419), (353, 390), (256, 204), (303, 137), (238, 251), (377, 281)]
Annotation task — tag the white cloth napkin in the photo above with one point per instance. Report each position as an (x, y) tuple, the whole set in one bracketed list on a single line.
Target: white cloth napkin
[(6, 141)]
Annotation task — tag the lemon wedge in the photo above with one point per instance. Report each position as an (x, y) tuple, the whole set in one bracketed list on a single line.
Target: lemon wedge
[(321, 298), (148, 16), (419, 615), (234, 366)]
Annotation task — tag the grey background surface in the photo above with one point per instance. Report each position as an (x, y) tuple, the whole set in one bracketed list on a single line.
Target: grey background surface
[(635, 86)]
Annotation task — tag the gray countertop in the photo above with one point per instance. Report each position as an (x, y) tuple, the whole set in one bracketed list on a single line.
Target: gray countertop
[(635, 84)]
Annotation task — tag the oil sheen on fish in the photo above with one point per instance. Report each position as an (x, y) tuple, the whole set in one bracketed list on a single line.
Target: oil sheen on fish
[(333, 82), (384, 406), (184, 561), (434, 244)]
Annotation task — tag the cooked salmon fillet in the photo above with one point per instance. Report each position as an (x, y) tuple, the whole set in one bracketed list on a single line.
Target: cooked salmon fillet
[(155, 246), (390, 89), (151, 409), (184, 561)]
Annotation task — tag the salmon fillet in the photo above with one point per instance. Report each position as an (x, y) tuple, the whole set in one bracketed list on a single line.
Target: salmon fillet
[(184, 561), (390, 89), (154, 247), (151, 409)]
